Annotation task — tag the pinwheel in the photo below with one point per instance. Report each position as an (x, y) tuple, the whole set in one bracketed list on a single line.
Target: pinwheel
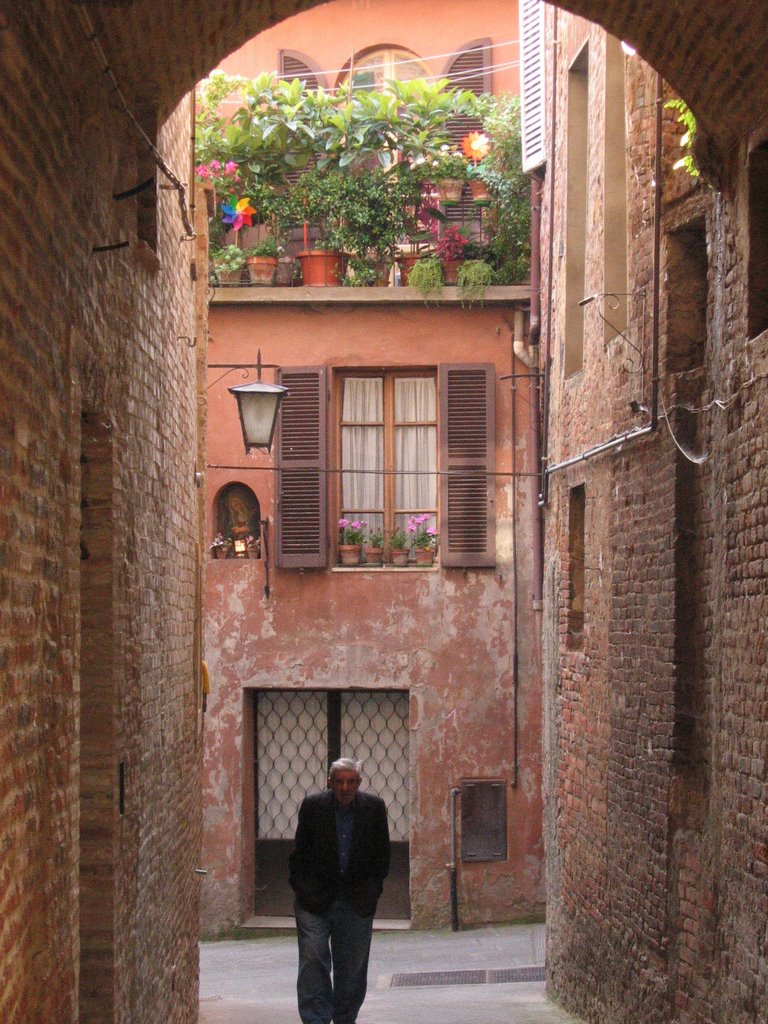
[(241, 213), (475, 146)]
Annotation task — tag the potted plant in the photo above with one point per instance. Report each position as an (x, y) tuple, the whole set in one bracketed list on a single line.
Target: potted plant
[(319, 198), (374, 548), (351, 537), (262, 261), (449, 249), (473, 278), (398, 547), (373, 219), (476, 146), (423, 539), (228, 262), (447, 170), (426, 275), (220, 546)]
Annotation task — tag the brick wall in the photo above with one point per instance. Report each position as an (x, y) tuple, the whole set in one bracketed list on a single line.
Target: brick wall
[(103, 334), (654, 745)]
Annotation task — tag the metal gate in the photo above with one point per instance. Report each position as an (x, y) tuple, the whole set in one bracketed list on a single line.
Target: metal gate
[(298, 734)]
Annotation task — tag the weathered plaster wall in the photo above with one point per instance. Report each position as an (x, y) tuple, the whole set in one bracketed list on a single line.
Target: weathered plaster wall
[(445, 635), (361, 24)]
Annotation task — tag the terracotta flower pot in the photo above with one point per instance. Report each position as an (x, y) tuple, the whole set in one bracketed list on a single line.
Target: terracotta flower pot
[(451, 271), (425, 556), (349, 554), (479, 191), (449, 191), (321, 269), (399, 556), (287, 272), (229, 277), (261, 269), (407, 261), (374, 556)]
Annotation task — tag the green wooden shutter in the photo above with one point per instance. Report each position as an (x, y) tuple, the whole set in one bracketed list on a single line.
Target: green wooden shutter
[(302, 507), (467, 456)]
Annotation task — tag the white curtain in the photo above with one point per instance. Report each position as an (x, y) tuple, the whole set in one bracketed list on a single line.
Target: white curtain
[(415, 443), (362, 447)]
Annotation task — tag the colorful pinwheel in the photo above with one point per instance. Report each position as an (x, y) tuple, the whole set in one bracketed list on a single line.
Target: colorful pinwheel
[(475, 146), (241, 213)]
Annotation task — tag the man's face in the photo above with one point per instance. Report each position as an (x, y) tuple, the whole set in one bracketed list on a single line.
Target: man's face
[(345, 783)]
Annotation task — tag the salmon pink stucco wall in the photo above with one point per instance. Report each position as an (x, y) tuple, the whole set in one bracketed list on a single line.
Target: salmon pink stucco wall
[(330, 33), (444, 635)]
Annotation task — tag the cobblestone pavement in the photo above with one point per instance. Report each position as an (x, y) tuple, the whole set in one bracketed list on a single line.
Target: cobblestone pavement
[(253, 981)]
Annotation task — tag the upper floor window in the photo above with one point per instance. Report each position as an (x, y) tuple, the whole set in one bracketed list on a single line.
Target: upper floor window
[(388, 443), (399, 432), (372, 69)]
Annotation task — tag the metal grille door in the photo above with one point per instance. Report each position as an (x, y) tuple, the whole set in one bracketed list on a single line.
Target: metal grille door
[(291, 730), (374, 727), (298, 733)]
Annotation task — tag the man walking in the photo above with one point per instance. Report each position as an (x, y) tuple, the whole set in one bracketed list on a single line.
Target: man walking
[(338, 865)]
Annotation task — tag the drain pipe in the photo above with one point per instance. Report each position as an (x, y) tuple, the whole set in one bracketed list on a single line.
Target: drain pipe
[(452, 865), (534, 409), (544, 486)]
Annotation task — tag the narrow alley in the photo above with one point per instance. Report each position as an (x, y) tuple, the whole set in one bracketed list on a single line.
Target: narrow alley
[(481, 976)]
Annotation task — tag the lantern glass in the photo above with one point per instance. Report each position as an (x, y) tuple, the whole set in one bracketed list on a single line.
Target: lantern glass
[(241, 548), (258, 405)]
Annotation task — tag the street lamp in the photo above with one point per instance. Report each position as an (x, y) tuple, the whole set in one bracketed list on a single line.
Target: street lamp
[(258, 404)]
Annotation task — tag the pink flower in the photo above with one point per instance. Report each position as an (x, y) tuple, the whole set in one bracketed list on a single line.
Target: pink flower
[(215, 165), (230, 167), (343, 523), (203, 171)]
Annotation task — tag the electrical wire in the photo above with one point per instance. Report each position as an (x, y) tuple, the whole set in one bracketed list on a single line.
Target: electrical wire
[(455, 77), (421, 60), (716, 403), (691, 456), (719, 403), (157, 156)]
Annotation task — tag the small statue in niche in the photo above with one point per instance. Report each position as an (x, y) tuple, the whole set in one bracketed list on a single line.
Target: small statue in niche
[(238, 518)]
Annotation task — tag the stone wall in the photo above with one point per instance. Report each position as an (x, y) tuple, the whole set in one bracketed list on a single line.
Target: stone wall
[(655, 748)]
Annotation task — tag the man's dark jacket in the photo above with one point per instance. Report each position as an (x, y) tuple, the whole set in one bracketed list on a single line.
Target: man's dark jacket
[(314, 863)]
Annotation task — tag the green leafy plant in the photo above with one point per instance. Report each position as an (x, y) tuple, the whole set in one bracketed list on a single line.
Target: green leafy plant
[(509, 216), (398, 540), (375, 539), (427, 275), (372, 211), (229, 258), (687, 119), (473, 278), (266, 247), (351, 531), (446, 162)]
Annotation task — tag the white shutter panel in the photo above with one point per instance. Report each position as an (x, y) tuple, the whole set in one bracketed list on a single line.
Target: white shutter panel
[(532, 83)]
